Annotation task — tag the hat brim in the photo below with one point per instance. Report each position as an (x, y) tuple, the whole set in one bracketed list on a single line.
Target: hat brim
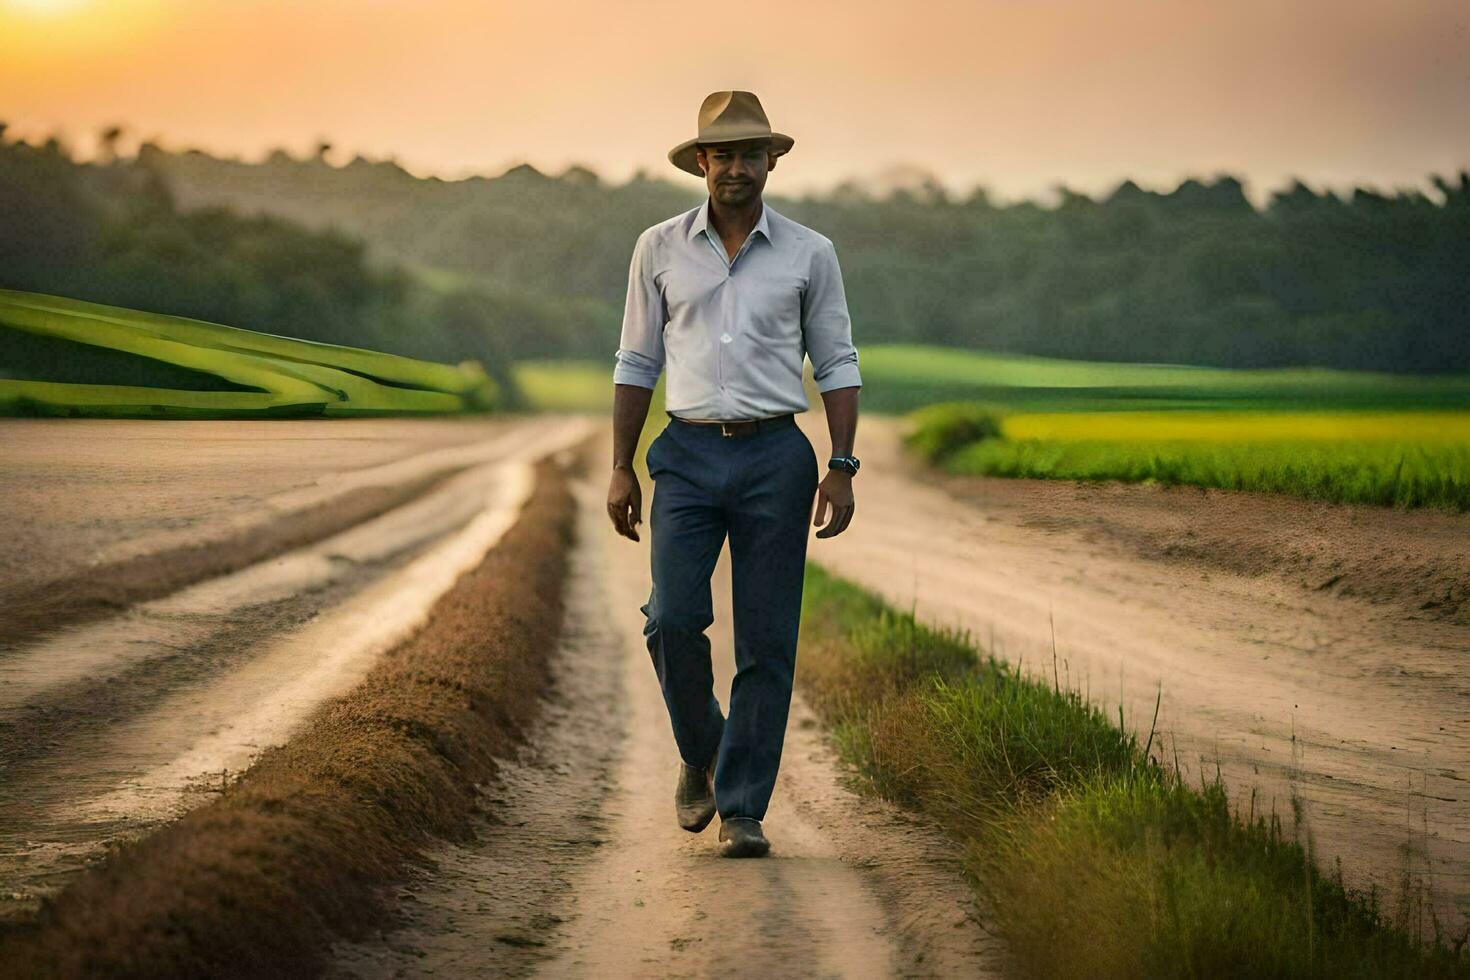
[(684, 155)]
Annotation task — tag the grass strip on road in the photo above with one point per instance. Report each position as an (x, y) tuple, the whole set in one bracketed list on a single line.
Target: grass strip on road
[(1404, 459), (1094, 858), (298, 851)]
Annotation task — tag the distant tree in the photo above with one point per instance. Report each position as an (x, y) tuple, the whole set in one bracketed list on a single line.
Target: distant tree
[(1070, 200), (1222, 196), (107, 141), (979, 197), (1454, 195), (579, 176), (1299, 197), (117, 236)]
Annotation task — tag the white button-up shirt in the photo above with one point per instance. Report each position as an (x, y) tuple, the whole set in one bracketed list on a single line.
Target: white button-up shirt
[(733, 333)]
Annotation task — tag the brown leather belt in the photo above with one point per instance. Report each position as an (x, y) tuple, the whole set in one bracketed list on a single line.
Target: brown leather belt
[(742, 427)]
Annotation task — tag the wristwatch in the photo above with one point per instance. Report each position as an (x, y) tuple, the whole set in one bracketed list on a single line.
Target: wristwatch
[(847, 464)]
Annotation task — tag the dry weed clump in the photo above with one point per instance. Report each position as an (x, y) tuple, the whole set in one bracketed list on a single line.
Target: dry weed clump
[(297, 852)]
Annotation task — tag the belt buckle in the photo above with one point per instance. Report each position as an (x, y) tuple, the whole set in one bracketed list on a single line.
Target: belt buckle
[(725, 429)]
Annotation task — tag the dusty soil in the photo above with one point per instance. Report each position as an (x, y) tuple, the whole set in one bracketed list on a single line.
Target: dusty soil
[(252, 883), (1415, 560), (110, 728), (1315, 652), (132, 510), (577, 867)]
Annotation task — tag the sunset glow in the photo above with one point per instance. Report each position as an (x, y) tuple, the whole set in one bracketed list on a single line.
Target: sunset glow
[(1013, 96)]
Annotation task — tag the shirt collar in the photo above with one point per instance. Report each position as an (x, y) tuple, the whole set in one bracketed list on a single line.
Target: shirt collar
[(701, 222)]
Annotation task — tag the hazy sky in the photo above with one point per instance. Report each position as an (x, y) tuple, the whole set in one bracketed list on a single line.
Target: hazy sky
[(1013, 94)]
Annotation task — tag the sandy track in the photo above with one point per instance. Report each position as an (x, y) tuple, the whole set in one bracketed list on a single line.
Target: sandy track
[(109, 728), (1348, 697), (104, 514), (578, 868), (1356, 704), (81, 492)]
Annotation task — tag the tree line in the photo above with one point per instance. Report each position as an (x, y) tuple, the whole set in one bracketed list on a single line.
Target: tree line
[(538, 263), (113, 231)]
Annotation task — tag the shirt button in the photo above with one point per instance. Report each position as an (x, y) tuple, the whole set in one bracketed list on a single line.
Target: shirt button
[(725, 338)]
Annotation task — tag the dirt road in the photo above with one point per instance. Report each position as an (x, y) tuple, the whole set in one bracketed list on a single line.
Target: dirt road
[(1313, 651), (114, 723), (583, 871), (91, 492)]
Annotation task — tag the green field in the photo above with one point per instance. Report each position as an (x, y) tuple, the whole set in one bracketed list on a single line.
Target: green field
[(1328, 435), (898, 378), (1092, 856), (1406, 459), (264, 375), (567, 385), (1352, 437)]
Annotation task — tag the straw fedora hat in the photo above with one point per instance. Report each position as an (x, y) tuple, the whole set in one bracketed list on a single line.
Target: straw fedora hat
[(726, 117)]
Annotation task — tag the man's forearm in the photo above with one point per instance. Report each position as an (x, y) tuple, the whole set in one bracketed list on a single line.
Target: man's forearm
[(842, 415), (630, 412)]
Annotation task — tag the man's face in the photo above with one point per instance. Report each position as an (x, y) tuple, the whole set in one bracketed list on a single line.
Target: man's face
[(736, 172)]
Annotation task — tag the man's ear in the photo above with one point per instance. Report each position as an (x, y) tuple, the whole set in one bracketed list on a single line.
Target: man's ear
[(771, 159)]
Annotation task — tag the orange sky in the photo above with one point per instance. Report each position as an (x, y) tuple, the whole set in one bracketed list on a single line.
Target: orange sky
[(1013, 94)]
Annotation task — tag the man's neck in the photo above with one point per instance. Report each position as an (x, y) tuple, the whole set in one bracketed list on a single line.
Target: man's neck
[(735, 221)]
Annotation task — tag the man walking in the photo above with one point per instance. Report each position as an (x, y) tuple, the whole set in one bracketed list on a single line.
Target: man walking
[(731, 296)]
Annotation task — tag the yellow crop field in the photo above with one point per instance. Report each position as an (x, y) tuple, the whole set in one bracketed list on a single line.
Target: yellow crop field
[(1228, 426)]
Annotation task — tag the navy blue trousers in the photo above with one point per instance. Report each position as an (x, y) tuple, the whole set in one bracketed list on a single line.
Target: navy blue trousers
[(758, 489)]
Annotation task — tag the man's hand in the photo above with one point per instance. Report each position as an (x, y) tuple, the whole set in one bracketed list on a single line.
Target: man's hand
[(836, 490), (625, 502)]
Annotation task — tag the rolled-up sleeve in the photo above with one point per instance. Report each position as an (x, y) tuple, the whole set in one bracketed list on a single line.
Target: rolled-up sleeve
[(640, 356), (825, 324)]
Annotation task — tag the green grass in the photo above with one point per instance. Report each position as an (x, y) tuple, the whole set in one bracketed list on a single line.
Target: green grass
[(1405, 459), (1340, 436), (902, 377), (1387, 474), (1093, 858), (567, 385), (899, 378), (274, 376)]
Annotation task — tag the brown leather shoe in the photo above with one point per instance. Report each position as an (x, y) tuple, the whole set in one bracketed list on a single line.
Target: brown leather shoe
[(694, 798), (742, 837)]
